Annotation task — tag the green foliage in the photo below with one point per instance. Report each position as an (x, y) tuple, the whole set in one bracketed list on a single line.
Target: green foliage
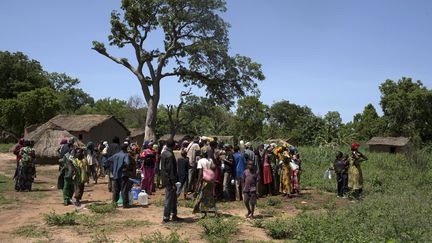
[(5, 147), (394, 207), (6, 184), (219, 229), (158, 237), (250, 115), (278, 229), (100, 237), (60, 219), (102, 208), (368, 123), (19, 74), (274, 202), (32, 231), (407, 107)]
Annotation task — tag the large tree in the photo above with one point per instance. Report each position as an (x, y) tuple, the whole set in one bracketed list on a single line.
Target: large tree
[(368, 123), (407, 108), (195, 50), (250, 116)]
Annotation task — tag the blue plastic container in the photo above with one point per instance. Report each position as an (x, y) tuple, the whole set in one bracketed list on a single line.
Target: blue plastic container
[(135, 192)]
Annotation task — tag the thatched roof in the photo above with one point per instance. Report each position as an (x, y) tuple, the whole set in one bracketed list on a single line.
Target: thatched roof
[(47, 139), (134, 132), (77, 123), (390, 141), (279, 141)]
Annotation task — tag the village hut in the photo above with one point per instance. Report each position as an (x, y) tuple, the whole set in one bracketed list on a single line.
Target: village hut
[(280, 141), (47, 139), (388, 144), (93, 128), (137, 135)]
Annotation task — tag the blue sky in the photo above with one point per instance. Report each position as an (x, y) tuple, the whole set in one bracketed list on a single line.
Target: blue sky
[(328, 55)]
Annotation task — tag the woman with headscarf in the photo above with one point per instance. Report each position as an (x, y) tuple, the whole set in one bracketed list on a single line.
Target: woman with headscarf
[(285, 176), (24, 178), (148, 167), (205, 201), (355, 175)]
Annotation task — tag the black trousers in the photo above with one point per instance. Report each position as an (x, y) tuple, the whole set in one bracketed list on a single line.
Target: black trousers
[(170, 205), (342, 183), (124, 186)]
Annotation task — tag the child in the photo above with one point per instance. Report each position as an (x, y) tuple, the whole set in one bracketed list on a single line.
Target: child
[(341, 168), (250, 179), (81, 177), (183, 172), (69, 172)]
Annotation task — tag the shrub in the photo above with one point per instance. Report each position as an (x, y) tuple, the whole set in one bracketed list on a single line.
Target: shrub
[(102, 208), (32, 231), (274, 202), (60, 219), (100, 237), (278, 229), (219, 229), (158, 237)]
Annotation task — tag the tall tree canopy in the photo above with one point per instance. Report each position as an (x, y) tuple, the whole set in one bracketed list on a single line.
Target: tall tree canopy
[(250, 116), (368, 123), (195, 50), (19, 74), (407, 108)]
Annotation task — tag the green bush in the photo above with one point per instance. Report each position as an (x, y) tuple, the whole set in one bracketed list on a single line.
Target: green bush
[(60, 219), (158, 237), (32, 231), (102, 208), (274, 202), (5, 147), (100, 237), (219, 229), (278, 229)]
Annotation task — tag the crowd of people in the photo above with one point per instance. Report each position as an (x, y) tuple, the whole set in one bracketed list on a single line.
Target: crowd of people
[(205, 170)]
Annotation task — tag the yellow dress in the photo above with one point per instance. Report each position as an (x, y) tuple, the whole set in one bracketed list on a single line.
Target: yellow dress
[(285, 179), (355, 175)]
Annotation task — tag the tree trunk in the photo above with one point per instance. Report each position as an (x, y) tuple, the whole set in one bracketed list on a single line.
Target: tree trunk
[(150, 125)]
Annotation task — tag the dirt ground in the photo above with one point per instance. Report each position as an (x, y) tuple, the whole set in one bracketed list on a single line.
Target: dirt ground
[(28, 208)]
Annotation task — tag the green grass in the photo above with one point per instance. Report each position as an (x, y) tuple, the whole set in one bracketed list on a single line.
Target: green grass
[(219, 229), (54, 219), (5, 147), (32, 231), (6, 184), (395, 206), (158, 237), (275, 202), (102, 208)]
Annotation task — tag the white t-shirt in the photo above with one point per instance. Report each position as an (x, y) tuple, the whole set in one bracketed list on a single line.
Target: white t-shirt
[(204, 163)]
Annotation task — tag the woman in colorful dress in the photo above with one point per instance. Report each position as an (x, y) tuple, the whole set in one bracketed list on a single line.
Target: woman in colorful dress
[(148, 167), (355, 174), (24, 177), (267, 171), (205, 201), (295, 174), (285, 177)]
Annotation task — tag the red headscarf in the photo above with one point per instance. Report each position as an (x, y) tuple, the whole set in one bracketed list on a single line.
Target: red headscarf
[(355, 146)]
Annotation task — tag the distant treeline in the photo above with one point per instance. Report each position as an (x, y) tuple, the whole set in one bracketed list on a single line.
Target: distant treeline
[(30, 95)]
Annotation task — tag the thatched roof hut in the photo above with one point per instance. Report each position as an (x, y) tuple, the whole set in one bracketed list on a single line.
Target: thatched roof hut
[(47, 139), (388, 144), (93, 128)]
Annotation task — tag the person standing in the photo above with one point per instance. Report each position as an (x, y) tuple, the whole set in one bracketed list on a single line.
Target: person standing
[(148, 167), (192, 150), (24, 178), (119, 170), (81, 177), (69, 172), (250, 179), (183, 170), (240, 164), (92, 162), (205, 201), (169, 178), (267, 171), (355, 174), (340, 167), (113, 148)]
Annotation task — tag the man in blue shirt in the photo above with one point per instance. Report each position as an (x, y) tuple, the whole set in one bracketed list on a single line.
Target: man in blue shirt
[(119, 164), (240, 165)]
